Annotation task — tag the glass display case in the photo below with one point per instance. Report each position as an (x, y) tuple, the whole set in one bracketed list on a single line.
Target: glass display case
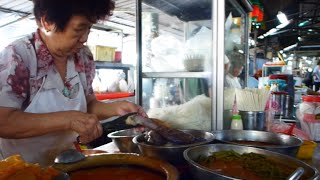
[(181, 46)]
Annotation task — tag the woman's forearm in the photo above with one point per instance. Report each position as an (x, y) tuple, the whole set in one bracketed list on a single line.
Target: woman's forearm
[(101, 109), (17, 124)]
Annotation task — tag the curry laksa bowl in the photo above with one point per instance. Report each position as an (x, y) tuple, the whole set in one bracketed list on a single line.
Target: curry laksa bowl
[(119, 166), (281, 143), (227, 161), (170, 152)]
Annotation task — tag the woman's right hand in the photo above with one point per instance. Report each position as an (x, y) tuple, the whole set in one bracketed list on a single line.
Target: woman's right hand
[(86, 125)]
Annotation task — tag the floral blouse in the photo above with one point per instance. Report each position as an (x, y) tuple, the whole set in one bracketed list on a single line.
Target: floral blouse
[(24, 64)]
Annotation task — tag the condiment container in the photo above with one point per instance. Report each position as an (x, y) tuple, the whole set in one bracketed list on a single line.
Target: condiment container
[(236, 122)]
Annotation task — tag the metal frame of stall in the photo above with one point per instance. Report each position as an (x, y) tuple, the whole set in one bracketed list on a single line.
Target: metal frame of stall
[(218, 52)]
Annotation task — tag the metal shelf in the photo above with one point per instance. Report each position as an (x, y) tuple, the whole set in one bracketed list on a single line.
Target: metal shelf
[(176, 74), (110, 65)]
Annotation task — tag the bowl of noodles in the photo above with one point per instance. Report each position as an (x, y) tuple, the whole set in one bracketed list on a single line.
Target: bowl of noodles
[(227, 161)]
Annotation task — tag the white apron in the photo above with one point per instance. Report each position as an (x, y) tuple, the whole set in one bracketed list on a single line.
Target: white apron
[(43, 149)]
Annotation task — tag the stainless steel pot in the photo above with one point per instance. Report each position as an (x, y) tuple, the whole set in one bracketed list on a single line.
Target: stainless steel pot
[(200, 172), (285, 144)]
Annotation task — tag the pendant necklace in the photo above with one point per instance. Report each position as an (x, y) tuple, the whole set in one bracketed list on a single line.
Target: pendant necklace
[(67, 87)]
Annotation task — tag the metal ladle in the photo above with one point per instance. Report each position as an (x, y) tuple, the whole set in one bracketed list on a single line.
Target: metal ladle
[(296, 174), (69, 156)]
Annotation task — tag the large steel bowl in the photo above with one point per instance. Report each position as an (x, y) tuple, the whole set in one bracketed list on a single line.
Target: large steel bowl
[(200, 172), (171, 153), (123, 139), (285, 144)]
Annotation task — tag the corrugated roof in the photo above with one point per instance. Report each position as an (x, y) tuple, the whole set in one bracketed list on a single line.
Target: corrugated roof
[(22, 7), (16, 15)]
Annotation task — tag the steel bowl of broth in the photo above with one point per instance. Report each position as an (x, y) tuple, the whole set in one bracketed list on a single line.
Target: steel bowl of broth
[(227, 161), (119, 166), (281, 143)]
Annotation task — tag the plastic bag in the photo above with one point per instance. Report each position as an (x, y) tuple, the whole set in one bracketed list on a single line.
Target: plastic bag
[(167, 54), (289, 129)]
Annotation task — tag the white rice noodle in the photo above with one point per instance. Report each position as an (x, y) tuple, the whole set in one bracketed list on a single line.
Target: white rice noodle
[(194, 114)]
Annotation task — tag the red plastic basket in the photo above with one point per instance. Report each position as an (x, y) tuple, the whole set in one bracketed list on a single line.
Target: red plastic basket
[(113, 95)]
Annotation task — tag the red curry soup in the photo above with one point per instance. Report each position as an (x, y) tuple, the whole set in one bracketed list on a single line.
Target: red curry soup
[(116, 172)]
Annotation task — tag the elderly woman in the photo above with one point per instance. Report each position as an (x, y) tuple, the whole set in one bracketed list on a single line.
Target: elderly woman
[(231, 79), (46, 96)]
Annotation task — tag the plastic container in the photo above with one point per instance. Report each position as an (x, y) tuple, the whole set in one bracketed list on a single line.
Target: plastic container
[(236, 122), (306, 150), (309, 116), (308, 104)]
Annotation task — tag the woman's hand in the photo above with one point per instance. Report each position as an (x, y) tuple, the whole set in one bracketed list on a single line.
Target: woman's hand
[(110, 109), (86, 125), (125, 107)]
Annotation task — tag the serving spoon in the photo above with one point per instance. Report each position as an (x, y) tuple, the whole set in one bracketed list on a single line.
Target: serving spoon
[(69, 156), (296, 174)]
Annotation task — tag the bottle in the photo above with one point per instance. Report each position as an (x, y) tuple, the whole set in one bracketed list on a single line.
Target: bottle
[(236, 122)]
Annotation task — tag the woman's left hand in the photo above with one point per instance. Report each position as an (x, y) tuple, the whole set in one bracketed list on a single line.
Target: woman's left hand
[(124, 107)]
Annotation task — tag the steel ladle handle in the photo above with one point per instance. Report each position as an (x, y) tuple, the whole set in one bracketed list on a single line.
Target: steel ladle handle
[(296, 174)]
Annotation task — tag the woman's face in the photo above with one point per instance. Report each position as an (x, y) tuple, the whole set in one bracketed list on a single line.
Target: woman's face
[(71, 39), (237, 71)]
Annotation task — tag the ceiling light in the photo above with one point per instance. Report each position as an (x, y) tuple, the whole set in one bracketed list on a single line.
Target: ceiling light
[(290, 47), (303, 23), (310, 30), (282, 17), (282, 25), (271, 31), (235, 21)]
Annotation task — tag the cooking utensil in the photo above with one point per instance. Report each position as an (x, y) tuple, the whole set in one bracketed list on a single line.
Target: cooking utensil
[(170, 152), (124, 160), (281, 143), (296, 174), (69, 156), (198, 171), (110, 126)]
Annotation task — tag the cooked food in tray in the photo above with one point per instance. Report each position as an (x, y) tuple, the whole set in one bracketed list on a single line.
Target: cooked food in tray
[(246, 165), (15, 168)]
